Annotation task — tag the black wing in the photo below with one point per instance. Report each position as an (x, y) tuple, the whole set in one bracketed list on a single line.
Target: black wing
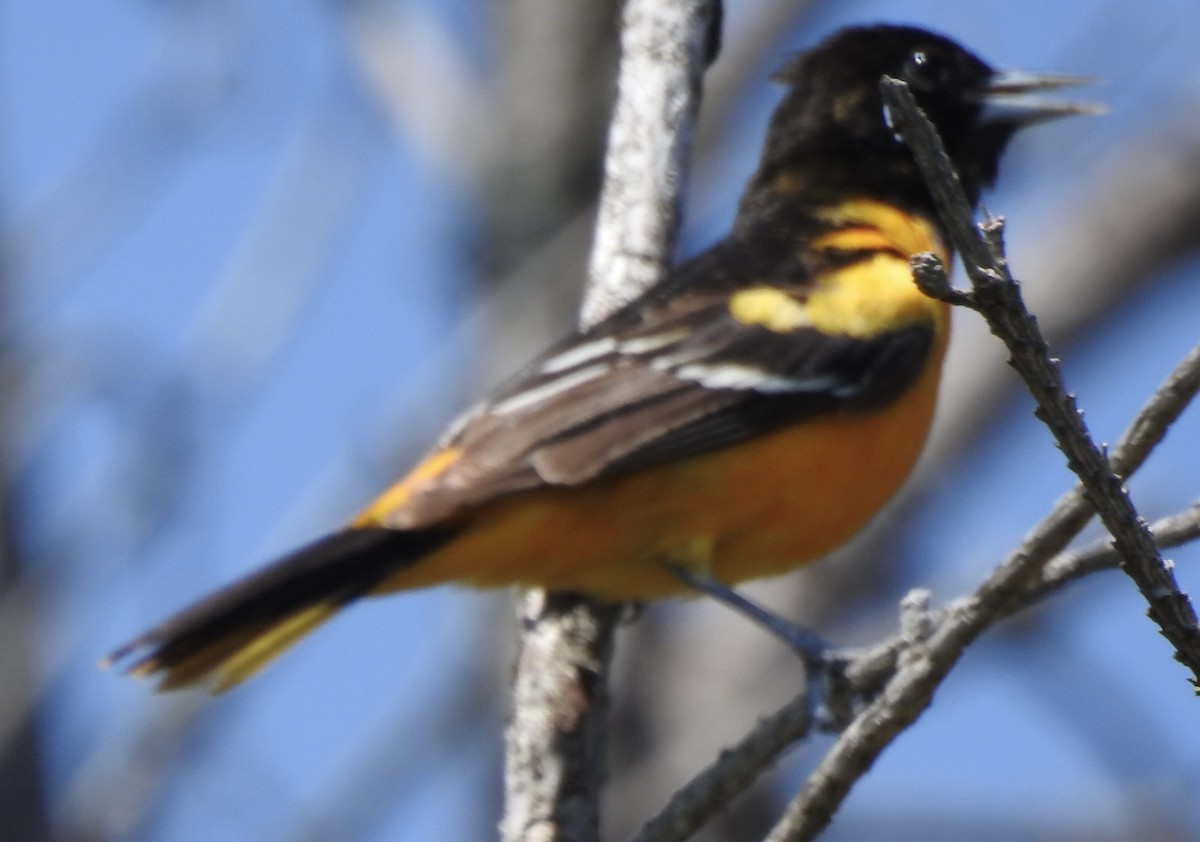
[(672, 376)]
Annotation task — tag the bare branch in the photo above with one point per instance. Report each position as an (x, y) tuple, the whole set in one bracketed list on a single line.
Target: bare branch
[(997, 297), (1170, 531), (909, 691), (1145, 431), (867, 671), (711, 791), (1160, 412), (729, 775), (555, 737), (554, 743), (663, 55)]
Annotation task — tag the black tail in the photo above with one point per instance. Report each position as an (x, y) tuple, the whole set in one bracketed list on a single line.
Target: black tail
[(228, 636)]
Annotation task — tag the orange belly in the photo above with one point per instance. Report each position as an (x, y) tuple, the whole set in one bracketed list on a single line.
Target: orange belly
[(755, 509)]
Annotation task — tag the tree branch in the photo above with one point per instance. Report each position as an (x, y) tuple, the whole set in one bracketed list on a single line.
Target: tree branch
[(900, 674), (1170, 531), (665, 47), (921, 670), (997, 297), (711, 791), (554, 764), (866, 671)]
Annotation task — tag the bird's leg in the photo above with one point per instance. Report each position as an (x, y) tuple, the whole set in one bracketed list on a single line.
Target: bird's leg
[(811, 647), (830, 699)]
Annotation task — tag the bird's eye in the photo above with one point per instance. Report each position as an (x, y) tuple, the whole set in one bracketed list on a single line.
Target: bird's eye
[(920, 70)]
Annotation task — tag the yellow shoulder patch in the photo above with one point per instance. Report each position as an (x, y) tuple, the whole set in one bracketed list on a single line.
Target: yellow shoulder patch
[(872, 295), (769, 307)]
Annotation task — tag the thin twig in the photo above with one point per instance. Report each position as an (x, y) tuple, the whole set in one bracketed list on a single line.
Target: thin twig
[(1036, 569), (921, 670), (737, 767), (708, 793), (1160, 412), (867, 671), (997, 297), (1170, 531)]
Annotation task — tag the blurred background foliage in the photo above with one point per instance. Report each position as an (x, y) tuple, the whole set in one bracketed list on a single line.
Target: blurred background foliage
[(255, 253)]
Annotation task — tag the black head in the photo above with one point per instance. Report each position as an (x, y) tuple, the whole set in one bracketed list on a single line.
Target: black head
[(834, 112)]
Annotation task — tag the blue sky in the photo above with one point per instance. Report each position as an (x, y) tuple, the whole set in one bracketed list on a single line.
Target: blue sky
[(223, 342)]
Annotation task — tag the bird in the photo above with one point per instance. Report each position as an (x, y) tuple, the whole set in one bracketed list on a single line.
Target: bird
[(745, 416)]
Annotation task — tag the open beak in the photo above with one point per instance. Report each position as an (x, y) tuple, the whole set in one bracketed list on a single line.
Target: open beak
[(1013, 97)]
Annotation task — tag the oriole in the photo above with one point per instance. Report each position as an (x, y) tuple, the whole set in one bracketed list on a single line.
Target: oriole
[(747, 415)]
